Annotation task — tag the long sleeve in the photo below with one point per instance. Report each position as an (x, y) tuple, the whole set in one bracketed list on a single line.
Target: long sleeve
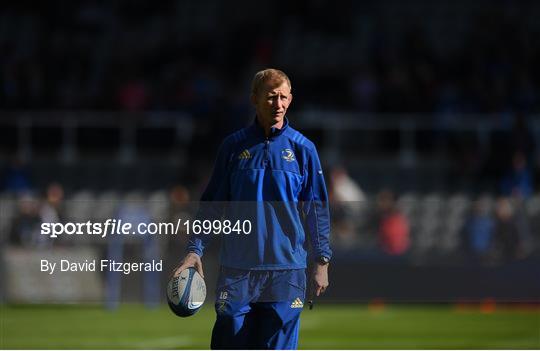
[(314, 206), (213, 199)]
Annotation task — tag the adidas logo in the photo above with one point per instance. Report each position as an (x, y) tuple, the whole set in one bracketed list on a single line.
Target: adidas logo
[(297, 303), (244, 155)]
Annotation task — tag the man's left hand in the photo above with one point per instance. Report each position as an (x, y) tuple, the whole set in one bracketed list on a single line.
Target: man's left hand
[(320, 278)]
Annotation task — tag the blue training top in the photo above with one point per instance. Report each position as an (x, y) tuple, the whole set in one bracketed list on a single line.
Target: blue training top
[(277, 183)]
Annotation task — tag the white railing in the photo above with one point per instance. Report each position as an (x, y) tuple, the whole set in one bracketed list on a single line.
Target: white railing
[(332, 124)]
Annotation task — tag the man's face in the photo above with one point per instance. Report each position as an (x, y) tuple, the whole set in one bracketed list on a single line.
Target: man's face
[(272, 102)]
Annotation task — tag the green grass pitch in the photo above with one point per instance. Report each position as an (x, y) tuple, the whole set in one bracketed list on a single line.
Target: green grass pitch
[(326, 326)]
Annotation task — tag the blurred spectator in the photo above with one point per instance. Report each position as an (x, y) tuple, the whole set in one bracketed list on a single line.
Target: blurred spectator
[(52, 209), (524, 226), (25, 229), (532, 207), (180, 208), (133, 210), (479, 230), (518, 181), (345, 191), (348, 204), (26, 226), (508, 236), (393, 231)]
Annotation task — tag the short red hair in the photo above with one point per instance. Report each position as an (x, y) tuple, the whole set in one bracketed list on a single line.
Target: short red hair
[(268, 75)]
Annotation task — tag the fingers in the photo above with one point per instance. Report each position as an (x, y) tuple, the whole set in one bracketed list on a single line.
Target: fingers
[(178, 270), (198, 267), (197, 264), (320, 289), (191, 260)]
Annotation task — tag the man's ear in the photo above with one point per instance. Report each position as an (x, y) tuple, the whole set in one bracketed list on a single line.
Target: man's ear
[(253, 99), (290, 98)]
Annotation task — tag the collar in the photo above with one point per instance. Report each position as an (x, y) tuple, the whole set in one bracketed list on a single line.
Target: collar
[(257, 129)]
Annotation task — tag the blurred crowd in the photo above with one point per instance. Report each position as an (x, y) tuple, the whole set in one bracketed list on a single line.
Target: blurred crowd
[(23, 212), (435, 227), (370, 56), (442, 60), (490, 228)]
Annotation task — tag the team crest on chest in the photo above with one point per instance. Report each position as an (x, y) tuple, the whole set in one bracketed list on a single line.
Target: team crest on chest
[(288, 155)]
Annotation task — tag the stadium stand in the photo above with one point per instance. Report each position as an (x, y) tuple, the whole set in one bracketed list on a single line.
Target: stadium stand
[(431, 101)]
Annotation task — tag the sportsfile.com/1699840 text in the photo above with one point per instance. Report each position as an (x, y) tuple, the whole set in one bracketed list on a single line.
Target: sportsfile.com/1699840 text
[(118, 226)]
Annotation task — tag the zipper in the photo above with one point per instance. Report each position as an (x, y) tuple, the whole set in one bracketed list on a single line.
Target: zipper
[(266, 152)]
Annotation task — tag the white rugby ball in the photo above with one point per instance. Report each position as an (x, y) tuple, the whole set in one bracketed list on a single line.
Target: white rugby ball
[(186, 292)]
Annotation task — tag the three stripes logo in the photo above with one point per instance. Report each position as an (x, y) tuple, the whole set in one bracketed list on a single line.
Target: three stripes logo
[(244, 155), (297, 303)]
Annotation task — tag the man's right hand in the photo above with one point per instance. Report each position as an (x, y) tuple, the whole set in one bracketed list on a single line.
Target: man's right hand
[(191, 260)]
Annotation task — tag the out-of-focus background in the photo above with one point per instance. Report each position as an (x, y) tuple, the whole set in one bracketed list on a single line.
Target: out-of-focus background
[(426, 119)]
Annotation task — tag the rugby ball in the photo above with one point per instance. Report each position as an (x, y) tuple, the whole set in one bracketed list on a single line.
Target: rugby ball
[(186, 292)]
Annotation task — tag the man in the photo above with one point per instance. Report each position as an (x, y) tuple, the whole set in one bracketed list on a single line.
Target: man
[(270, 173)]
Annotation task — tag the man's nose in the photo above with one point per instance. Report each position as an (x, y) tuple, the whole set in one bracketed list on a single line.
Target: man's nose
[(278, 103)]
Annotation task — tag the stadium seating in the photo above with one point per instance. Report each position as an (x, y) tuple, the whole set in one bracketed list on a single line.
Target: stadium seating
[(436, 220)]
